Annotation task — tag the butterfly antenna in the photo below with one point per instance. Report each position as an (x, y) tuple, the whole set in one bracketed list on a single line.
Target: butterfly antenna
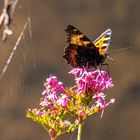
[(110, 58), (122, 49)]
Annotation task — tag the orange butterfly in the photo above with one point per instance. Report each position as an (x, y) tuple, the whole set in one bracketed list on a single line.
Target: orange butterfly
[(81, 52)]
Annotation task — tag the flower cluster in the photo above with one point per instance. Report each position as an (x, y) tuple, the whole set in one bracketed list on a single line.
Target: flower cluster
[(53, 94), (95, 82), (63, 109)]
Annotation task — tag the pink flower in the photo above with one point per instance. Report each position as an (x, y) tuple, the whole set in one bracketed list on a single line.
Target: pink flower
[(63, 109), (53, 86), (40, 113), (97, 80), (93, 82), (53, 90), (63, 101), (45, 102)]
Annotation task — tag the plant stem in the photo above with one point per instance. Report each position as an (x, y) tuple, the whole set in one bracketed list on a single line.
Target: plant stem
[(79, 132)]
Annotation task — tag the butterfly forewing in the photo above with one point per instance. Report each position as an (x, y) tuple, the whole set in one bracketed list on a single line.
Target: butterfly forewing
[(76, 37)]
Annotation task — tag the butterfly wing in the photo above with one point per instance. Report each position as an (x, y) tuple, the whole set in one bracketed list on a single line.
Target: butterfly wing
[(103, 42), (77, 38), (78, 47)]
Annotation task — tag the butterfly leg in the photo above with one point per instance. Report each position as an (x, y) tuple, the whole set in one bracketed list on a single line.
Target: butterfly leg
[(105, 64)]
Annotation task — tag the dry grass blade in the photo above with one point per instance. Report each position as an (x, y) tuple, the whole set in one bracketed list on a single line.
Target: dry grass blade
[(13, 50)]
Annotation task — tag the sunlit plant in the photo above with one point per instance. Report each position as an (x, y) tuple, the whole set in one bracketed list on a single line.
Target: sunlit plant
[(62, 110)]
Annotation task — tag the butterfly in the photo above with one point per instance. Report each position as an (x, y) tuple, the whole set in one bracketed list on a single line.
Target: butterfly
[(81, 52)]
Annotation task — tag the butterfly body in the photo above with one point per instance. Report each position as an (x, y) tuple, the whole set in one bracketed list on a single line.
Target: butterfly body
[(81, 52)]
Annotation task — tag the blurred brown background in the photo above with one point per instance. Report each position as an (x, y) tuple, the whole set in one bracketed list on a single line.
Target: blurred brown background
[(38, 57)]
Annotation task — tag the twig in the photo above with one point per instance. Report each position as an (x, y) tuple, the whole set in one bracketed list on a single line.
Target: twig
[(13, 7), (6, 17)]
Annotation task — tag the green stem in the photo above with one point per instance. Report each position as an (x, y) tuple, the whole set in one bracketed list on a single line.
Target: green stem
[(79, 132)]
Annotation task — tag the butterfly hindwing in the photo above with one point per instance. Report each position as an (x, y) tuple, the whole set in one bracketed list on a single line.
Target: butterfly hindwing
[(103, 42)]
